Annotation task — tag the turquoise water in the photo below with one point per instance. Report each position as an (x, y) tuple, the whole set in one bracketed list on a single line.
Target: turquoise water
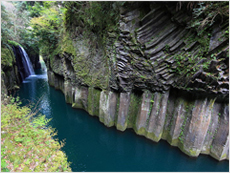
[(92, 147)]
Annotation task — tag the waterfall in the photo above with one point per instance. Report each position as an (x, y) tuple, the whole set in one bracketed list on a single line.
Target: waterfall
[(26, 62), (25, 67)]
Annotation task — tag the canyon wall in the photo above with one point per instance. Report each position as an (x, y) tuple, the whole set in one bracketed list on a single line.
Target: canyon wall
[(195, 124), (153, 74), (10, 78)]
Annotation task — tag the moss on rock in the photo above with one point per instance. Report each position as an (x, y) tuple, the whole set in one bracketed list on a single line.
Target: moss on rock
[(7, 56), (93, 101), (135, 102)]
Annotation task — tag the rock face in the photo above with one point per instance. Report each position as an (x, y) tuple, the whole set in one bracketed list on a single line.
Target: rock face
[(34, 57), (10, 78), (195, 124), (155, 75)]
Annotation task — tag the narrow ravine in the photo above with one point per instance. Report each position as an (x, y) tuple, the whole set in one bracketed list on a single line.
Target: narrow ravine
[(91, 146), (129, 86)]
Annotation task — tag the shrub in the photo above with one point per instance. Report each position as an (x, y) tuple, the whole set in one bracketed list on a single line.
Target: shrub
[(26, 143)]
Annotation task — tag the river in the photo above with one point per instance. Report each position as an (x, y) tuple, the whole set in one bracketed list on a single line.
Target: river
[(93, 147)]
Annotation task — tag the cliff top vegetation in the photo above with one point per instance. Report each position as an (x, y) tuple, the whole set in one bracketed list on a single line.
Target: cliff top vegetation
[(35, 24)]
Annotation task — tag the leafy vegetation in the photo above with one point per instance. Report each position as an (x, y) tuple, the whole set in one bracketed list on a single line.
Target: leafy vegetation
[(54, 21), (44, 24), (14, 31), (15, 22), (26, 143), (95, 16), (206, 13), (14, 43), (6, 25), (16, 27), (7, 56), (46, 27)]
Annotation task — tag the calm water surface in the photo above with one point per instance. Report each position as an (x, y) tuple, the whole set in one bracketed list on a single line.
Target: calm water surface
[(91, 146)]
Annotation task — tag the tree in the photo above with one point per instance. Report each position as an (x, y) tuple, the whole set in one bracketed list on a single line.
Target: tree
[(6, 25)]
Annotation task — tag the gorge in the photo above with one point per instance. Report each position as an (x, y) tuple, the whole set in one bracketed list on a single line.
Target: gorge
[(91, 146), (153, 72), (145, 86)]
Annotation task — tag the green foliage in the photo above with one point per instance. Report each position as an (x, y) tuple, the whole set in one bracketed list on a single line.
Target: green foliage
[(3, 161), (16, 21), (40, 121), (7, 55), (25, 34), (207, 13), (46, 27), (204, 15), (98, 17), (27, 142), (167, 47), (187, 64), (6, 25), (35, 8), (14, 43), (179, 59), (47, 24), (15, 25)]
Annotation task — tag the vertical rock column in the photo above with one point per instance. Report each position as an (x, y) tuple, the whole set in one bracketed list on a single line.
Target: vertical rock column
[(68, 91), (50, 77), (157, 117), (177, 121), (80, 98), (220, 144), (197, 129), (56, 81), (144, 113), (108, 106), (93, 101), (151, 118), (122, 119), (213, 126), (134, 108)]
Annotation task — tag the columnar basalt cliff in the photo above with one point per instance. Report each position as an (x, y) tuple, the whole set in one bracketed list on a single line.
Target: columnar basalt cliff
[(152, 74)]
